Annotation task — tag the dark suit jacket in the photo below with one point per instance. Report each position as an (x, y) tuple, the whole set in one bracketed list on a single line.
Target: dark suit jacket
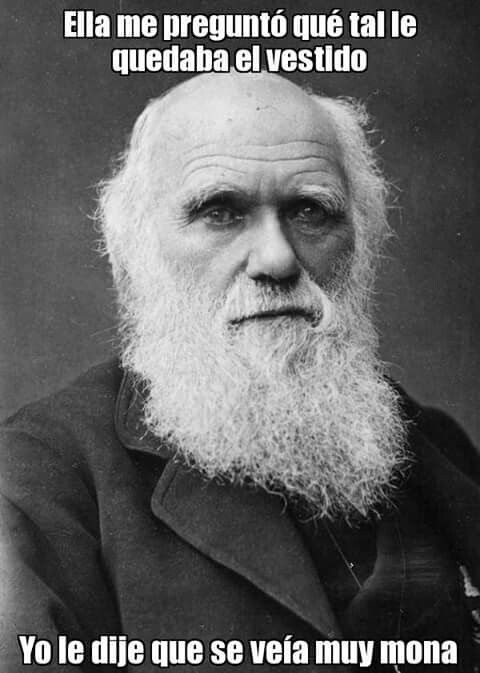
[(104, 533)]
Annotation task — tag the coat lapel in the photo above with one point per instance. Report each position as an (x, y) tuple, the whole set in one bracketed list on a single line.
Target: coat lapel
[(452, 497), (248, 531), (244, 529)]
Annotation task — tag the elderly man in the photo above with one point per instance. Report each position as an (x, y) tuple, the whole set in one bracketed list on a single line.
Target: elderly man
[(248, 472)]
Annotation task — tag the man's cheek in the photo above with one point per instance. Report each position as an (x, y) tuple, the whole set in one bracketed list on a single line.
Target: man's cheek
[(329, 257)]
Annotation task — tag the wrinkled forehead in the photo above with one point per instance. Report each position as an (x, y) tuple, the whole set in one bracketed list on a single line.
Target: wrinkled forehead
[(237, 111)]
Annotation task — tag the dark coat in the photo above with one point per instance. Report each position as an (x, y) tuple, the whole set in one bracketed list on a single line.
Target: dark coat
[(106, 534)]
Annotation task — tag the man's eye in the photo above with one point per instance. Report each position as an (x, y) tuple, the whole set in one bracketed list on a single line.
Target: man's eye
[(221, 216), (307, 213)]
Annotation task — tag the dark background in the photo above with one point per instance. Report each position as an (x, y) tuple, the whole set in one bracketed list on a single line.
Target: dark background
[(64, 115)]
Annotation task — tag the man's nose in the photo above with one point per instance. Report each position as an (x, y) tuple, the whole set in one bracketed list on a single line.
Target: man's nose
[(271, 254)]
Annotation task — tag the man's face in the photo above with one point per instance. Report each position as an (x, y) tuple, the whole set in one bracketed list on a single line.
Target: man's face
[(251, 183), (249, 222)]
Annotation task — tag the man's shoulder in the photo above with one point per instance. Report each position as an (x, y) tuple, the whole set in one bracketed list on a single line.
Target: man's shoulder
[(442, 432), (89, 394), (66, 422)]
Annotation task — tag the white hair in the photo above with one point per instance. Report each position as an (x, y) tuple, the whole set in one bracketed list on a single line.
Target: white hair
[(367, 186), (128, 198), (294, 405)]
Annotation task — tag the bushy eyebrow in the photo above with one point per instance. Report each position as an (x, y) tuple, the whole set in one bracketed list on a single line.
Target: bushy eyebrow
[(331, 197), (193, 202)]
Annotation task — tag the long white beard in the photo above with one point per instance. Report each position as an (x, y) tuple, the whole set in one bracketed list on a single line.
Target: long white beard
[(289, 404)]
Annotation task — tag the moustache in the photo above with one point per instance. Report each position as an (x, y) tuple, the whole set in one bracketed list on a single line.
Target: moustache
[(250, 300)]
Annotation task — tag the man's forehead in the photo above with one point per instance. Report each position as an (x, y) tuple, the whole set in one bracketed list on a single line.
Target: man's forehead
[(239, 110)]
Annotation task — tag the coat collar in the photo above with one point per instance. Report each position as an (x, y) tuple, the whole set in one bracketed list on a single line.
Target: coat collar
[(250, 531), (244, 529)]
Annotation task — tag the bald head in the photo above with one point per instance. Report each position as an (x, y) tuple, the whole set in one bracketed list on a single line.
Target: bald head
[(265, 139), (252, 168), (264, 104), (234, 109)]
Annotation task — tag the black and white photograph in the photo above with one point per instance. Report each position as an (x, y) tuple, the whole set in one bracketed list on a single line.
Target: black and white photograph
[(240, 331)]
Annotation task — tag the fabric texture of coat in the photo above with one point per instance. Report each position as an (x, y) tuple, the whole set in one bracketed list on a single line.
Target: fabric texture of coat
[(103, 532)]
